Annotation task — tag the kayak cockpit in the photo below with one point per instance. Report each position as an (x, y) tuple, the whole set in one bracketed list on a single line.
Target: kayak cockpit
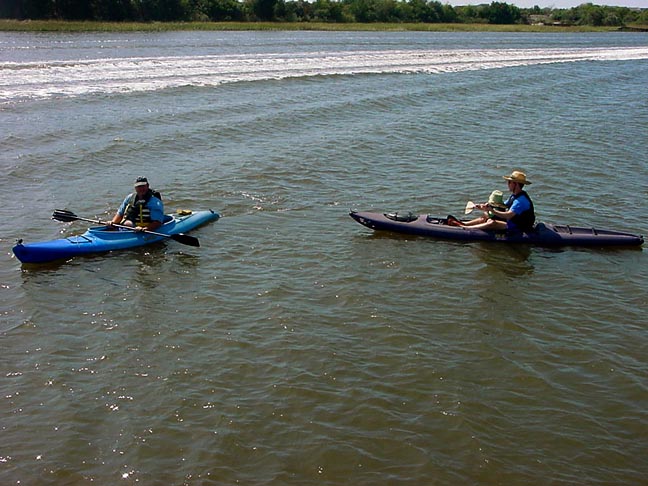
[(167, 225)]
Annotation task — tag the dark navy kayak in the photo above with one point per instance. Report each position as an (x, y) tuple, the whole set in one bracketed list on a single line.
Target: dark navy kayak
[(543, 234), (98, 239)]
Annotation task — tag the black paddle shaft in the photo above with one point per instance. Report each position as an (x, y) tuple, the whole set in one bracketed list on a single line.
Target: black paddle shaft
[(68, 216)]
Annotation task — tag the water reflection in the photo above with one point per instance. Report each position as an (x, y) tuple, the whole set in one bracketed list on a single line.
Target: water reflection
[(511, 261), (142, 266), (101, 290), (94, 261), (94, 280)]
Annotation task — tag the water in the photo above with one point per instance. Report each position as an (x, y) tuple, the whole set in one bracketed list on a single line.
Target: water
[(295, 346)]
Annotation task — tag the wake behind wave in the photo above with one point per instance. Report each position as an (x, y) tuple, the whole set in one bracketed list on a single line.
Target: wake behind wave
[(39, 80)]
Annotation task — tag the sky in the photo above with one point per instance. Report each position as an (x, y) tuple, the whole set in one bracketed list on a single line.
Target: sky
[(556, 3)]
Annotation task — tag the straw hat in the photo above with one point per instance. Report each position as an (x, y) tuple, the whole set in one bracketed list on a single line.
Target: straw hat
[(496, 200), (517, 176)]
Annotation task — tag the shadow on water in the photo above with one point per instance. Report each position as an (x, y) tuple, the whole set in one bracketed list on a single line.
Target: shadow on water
[(48, 291), (515, 261), (507, 259), (143, 266), (511, 261), (141, 254)]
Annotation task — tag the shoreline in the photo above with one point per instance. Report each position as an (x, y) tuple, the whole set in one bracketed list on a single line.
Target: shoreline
[(9, 25)]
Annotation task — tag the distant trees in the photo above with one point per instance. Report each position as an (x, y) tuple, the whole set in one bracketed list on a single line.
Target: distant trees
[(223, 10), (589, 14), (424, 11), (502, 13)]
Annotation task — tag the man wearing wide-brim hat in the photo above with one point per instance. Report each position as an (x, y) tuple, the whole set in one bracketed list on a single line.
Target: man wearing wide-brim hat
[(518, 213)]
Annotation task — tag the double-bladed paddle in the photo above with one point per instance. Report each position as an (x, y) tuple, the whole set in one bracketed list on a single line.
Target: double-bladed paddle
[(68, 216)]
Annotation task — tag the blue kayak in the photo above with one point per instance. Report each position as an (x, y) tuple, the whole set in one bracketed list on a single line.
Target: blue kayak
[(543, 234), (98, 239)]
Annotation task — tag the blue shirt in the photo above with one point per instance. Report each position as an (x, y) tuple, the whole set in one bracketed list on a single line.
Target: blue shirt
[(155, 206), (518, 205)]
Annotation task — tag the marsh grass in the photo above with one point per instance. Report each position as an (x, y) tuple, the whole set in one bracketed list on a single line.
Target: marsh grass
[(70, 26)]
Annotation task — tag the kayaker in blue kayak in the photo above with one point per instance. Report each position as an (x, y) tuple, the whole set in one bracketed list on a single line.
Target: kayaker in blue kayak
[(517, 215), (143, 209)]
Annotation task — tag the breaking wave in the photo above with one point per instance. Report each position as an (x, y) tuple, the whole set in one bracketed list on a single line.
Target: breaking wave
[(21, 81)]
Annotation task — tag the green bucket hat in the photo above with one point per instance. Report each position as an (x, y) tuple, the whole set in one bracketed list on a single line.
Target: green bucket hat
[(496, 200)]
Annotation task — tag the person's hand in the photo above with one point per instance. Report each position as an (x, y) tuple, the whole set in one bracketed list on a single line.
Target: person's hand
[(140, 229)]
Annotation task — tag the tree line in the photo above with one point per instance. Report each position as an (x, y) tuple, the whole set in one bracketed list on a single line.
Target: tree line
[(340, 11)]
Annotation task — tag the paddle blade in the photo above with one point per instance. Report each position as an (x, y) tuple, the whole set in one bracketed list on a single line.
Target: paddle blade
[(64, 216), (469, 207), (185, 239)]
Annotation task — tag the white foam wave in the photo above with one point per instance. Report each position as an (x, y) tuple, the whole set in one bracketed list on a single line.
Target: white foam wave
[(21, 81)]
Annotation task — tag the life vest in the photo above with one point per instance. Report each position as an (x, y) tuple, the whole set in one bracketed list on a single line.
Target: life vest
[(526, 219), (137, 210)]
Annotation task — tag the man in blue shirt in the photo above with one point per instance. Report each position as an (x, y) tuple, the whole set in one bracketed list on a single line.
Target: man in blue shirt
[(519, 214), (142, 210)]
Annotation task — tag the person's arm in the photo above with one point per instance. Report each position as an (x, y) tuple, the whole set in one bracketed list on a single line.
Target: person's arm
[(119, 215), (490, 211), (505, 215), (117, 218), (518, 207)]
